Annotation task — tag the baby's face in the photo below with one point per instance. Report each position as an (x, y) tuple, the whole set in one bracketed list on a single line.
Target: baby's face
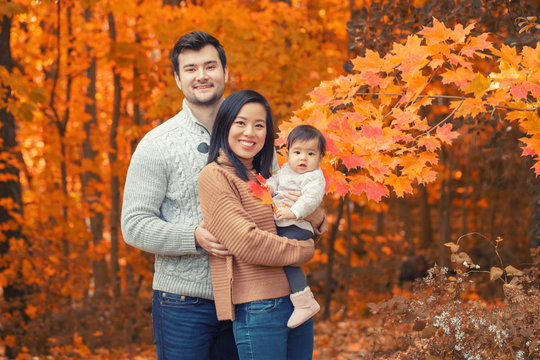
[(304, 156)]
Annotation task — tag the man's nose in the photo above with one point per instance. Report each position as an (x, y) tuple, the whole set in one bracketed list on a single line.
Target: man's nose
[(202, 74)]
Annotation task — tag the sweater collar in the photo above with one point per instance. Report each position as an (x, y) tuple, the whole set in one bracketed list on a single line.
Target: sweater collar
[(189, 120), (224, 160)]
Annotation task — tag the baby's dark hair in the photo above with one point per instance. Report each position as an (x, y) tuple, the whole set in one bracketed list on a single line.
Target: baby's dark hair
[(305, 133)]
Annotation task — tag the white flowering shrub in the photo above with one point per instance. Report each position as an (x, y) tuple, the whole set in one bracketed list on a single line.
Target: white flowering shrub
[(447, 325)]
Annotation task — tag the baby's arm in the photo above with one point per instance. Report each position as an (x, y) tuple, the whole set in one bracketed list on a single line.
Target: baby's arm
[(272, 183), (312, 195)]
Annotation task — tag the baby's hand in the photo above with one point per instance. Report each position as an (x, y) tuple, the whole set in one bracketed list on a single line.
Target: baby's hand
[(285, 213), (269, 188)]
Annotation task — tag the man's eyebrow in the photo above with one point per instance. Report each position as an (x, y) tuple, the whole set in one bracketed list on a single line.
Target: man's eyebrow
[(206, 63)]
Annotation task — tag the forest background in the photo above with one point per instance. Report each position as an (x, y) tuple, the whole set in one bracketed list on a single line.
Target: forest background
[(431, 112)]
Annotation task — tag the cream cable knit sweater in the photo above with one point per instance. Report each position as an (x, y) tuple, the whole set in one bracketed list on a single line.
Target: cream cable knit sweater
[(161, 205)]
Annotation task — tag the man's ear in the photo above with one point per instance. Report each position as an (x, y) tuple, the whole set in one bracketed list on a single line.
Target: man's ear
[(177, 79), (226, 74)]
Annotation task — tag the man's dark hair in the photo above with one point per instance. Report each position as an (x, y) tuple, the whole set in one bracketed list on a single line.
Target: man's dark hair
[(229, 109), (196, 40), (306, 133)]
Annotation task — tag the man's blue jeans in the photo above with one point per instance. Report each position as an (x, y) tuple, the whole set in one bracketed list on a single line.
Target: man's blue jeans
[(186, 328), (261, 332)]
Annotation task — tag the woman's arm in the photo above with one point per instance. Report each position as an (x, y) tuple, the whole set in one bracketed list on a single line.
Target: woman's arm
[(225, 217)]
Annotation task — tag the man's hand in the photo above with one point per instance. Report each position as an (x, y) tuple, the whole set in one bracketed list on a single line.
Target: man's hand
[(208, 242), (318, 221), (284, 213)]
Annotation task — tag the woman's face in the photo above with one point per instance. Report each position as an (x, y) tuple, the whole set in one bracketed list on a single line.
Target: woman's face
[(248, 131)]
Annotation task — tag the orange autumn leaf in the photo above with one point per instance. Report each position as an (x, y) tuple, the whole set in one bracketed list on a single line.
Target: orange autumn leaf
[(446, 134), (260, 192)]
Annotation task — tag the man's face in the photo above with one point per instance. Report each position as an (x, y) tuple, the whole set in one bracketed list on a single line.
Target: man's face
[(200, 76)]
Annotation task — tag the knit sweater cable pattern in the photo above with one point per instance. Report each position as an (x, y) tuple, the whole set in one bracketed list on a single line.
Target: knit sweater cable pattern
[(161, 209), (246, 227)]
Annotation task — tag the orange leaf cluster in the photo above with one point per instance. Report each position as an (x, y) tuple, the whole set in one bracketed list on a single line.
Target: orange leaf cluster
[(379, 138)]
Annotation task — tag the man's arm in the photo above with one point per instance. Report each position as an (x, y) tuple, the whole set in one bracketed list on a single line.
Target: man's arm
[(144, 192)]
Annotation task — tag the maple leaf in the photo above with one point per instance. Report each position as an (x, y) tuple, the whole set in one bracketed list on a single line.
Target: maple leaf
[(531, 123), (520, 91), (371, 78), (427, 176), (532, 147), (509, 55), (479, 85), (260, 191), (352, 161), (469, 107), (446, 134), (431, 143), (370, 62), (322, 94), (461, 76), (475, 44), (259, 178), (373, 190), (412, 167), (400, 184), (536, 168), (436, 34), (459, 33), (336, 181), (428, 157)]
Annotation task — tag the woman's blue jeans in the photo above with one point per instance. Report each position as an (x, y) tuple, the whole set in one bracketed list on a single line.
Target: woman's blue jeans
[(186, 328), (261, 332)]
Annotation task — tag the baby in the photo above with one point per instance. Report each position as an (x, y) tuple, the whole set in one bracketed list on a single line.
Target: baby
[(305, 150)]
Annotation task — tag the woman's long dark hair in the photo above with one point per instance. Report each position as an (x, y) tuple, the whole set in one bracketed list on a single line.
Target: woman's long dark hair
[(229, 109)]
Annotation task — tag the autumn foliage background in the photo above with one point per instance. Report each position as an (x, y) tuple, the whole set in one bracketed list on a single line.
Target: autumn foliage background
[(430, 109)]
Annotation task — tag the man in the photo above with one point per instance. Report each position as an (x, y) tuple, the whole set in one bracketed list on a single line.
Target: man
[(161, 212)]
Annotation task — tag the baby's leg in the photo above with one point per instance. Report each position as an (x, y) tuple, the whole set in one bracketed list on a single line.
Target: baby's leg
[(295, 275), (305, 305)]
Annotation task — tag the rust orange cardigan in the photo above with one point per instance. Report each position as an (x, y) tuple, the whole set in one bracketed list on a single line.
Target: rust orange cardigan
[(246, 227)]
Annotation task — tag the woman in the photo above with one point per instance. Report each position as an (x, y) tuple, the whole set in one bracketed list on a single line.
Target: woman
[(253, 279)]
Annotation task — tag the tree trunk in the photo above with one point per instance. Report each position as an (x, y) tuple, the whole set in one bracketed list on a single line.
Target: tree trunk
[(348, 205), (330, 270), (426, 235), (93, 196), (444, 210), (114, 217), (11, 216), (405, 215)]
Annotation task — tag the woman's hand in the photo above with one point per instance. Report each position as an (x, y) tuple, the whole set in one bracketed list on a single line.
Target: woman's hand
[(207, 241)]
